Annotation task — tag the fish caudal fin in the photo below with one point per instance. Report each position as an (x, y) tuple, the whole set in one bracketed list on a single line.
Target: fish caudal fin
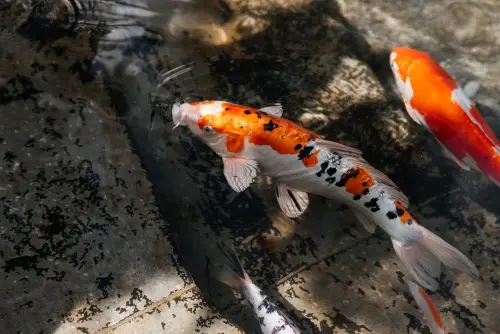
[(446, 253), (423, 258), (424, 302), (232, 272)]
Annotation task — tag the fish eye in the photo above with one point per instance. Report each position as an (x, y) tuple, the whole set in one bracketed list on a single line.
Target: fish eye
[(208, 129)]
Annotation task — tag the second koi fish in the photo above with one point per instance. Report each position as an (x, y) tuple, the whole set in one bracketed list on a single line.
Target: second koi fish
[(253, 142), (434, 100)]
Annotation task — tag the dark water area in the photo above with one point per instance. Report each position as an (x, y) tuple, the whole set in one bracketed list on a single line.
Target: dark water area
[(110, 217)]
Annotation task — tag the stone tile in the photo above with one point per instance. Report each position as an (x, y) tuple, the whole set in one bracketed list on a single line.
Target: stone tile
[(188, 313)]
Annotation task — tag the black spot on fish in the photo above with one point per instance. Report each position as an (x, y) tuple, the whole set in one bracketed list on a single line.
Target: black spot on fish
[(247, 112), (366, 191), (330, 180), (391, 215), (227, 108), (324, 166), (297, 147), (270, 126), (400, 211), (409, 222), (351, 173), (356, 197), (373, 205), (305, 152), (277, 191), (331, 171)]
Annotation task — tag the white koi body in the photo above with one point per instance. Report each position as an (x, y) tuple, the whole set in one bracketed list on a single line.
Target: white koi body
[(253, 142)]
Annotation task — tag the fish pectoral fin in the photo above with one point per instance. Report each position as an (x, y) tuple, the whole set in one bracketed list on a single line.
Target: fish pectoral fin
[(275, 110), (346, 150), (447, 153), (469, 161), (471, 88), (292, 202), (239, 172), (368, 224), (415, 115)]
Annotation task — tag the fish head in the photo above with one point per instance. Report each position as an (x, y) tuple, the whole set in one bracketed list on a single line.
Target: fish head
[(401, 60), (204, 119)]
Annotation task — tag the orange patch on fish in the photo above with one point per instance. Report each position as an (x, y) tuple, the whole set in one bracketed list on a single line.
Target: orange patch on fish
[(282, 135), (234, 143), (403, 214), (432, 307), (357, 181), (311, 160), (202, 103)]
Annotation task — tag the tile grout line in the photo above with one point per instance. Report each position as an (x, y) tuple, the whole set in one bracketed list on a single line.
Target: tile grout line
[(435, 198), (310, 265), (154, 305), (192, 286)]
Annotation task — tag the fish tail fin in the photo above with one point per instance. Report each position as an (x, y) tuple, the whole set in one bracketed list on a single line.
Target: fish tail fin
[(423, 256), (232, 272), (424, 302), (446, 253)]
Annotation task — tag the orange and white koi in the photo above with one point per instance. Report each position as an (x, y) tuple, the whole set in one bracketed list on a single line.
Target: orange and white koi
[(272, 320), (253, 142), (424, 302), (436, 101)]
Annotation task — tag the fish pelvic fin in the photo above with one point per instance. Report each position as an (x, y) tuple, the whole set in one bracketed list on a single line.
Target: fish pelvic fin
[(422, 265), (425, 304), (231, 272), (423, 257)]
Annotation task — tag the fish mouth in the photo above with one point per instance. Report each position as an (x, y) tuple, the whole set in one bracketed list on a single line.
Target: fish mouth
[(177, 116)]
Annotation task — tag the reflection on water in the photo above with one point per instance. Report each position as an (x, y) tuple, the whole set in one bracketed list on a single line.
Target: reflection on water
[(101, 76)]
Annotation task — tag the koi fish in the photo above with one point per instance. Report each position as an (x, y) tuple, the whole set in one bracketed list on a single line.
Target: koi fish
[(272, 319), (436, 101), (431, 313), (255, 142)]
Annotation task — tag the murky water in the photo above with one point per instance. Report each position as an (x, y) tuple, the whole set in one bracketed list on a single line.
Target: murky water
[(110, 217)]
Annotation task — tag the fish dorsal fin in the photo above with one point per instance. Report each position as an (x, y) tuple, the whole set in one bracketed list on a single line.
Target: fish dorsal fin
[(343, 149), (292, 202), (275, 110), (368, 224), (392, 189), (240, 173)]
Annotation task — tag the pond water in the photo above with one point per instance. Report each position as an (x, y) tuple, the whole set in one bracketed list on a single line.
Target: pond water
[(110, 217)]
